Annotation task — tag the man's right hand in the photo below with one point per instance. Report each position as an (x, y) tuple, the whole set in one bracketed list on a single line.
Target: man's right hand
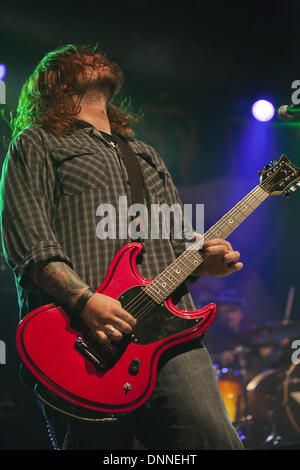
[(106, 318), (104, 315)]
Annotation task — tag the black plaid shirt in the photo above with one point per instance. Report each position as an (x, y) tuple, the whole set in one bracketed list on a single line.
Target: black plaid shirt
[(50, 189)]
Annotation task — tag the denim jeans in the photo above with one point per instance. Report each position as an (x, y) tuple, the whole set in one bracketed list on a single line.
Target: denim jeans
[(186, 411)]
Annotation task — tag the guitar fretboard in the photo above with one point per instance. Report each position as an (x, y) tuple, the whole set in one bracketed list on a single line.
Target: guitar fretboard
[(181, 268)]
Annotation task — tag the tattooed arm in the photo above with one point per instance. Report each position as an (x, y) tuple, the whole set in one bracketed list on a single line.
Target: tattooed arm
[(59, 280), (104, 315)]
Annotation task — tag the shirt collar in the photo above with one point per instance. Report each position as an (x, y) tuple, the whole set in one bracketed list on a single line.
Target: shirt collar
[(85, 125), (82, 124)]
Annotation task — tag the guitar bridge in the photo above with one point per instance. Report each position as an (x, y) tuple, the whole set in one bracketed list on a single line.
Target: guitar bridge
[(90, 352)]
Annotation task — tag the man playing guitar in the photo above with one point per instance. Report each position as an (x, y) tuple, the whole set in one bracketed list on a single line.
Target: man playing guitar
[(63, 162)]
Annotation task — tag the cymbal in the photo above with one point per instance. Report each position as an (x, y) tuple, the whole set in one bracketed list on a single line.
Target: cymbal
[(270, 333)]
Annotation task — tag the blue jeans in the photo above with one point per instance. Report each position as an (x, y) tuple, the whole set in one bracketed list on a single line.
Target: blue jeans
[(185, 412)]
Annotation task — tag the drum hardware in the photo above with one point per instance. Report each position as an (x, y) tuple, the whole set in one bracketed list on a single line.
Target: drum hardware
[(274, 399), (241, 355), (270, 334), (265, 409), (232, 385)]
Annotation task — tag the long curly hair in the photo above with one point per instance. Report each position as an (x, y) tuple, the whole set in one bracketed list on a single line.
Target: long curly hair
[(46, 98)]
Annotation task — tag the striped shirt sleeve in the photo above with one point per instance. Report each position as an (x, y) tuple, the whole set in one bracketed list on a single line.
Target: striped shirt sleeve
[(26, 206)]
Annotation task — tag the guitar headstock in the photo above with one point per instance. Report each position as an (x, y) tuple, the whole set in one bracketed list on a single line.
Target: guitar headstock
[(279, 177)]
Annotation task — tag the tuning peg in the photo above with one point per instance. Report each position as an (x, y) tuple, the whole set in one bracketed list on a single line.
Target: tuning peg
[(298, 184), (274, 162), (292, 188), (287, 193), (261, 172), (267, 167)]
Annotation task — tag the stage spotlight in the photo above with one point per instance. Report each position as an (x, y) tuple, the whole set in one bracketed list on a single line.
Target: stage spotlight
[(2, 71), (263, 110)]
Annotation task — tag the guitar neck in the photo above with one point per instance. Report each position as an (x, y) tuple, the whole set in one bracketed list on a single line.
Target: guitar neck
[(181, 268)]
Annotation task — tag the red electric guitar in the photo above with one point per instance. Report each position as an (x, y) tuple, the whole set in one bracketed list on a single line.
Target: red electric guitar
[(93, 380)]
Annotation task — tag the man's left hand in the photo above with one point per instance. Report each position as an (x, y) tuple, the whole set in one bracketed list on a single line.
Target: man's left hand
[(221, 259)]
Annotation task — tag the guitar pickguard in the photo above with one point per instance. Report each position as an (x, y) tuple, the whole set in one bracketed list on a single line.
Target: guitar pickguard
[(155, 322)]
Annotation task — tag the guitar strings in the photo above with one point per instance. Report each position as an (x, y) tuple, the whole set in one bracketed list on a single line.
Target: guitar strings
[(138, 298), (143, 296)]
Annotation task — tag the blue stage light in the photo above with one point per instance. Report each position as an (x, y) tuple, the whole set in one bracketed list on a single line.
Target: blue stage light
[(2, 71), (263, 110)]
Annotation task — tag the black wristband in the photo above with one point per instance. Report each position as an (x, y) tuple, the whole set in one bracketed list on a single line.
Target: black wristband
[(80, 304)]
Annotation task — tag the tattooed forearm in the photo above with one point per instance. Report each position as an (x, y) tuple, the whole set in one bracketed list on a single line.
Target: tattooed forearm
[(59, 280)]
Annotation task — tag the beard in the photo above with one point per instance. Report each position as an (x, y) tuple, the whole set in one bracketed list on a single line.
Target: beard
[(101, 78)]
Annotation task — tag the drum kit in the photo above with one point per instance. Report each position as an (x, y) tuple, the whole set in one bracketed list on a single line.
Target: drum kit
[(261, 390)]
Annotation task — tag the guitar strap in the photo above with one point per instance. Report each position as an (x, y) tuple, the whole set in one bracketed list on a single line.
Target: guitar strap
[(133, 168), (134, 172)]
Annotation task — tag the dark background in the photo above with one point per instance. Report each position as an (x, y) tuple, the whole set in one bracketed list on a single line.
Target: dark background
[(194, 68)]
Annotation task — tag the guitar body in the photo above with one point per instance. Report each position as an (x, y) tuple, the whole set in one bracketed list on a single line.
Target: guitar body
[(118, 378)]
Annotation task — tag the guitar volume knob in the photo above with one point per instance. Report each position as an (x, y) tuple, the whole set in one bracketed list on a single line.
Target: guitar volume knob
[(134, 366), (127, 387)]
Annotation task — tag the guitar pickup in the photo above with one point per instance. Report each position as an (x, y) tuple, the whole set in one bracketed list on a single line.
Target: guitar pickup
[(91, 354)]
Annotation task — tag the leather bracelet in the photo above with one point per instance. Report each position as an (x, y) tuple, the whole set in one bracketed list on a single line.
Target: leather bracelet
[(81, 302)]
